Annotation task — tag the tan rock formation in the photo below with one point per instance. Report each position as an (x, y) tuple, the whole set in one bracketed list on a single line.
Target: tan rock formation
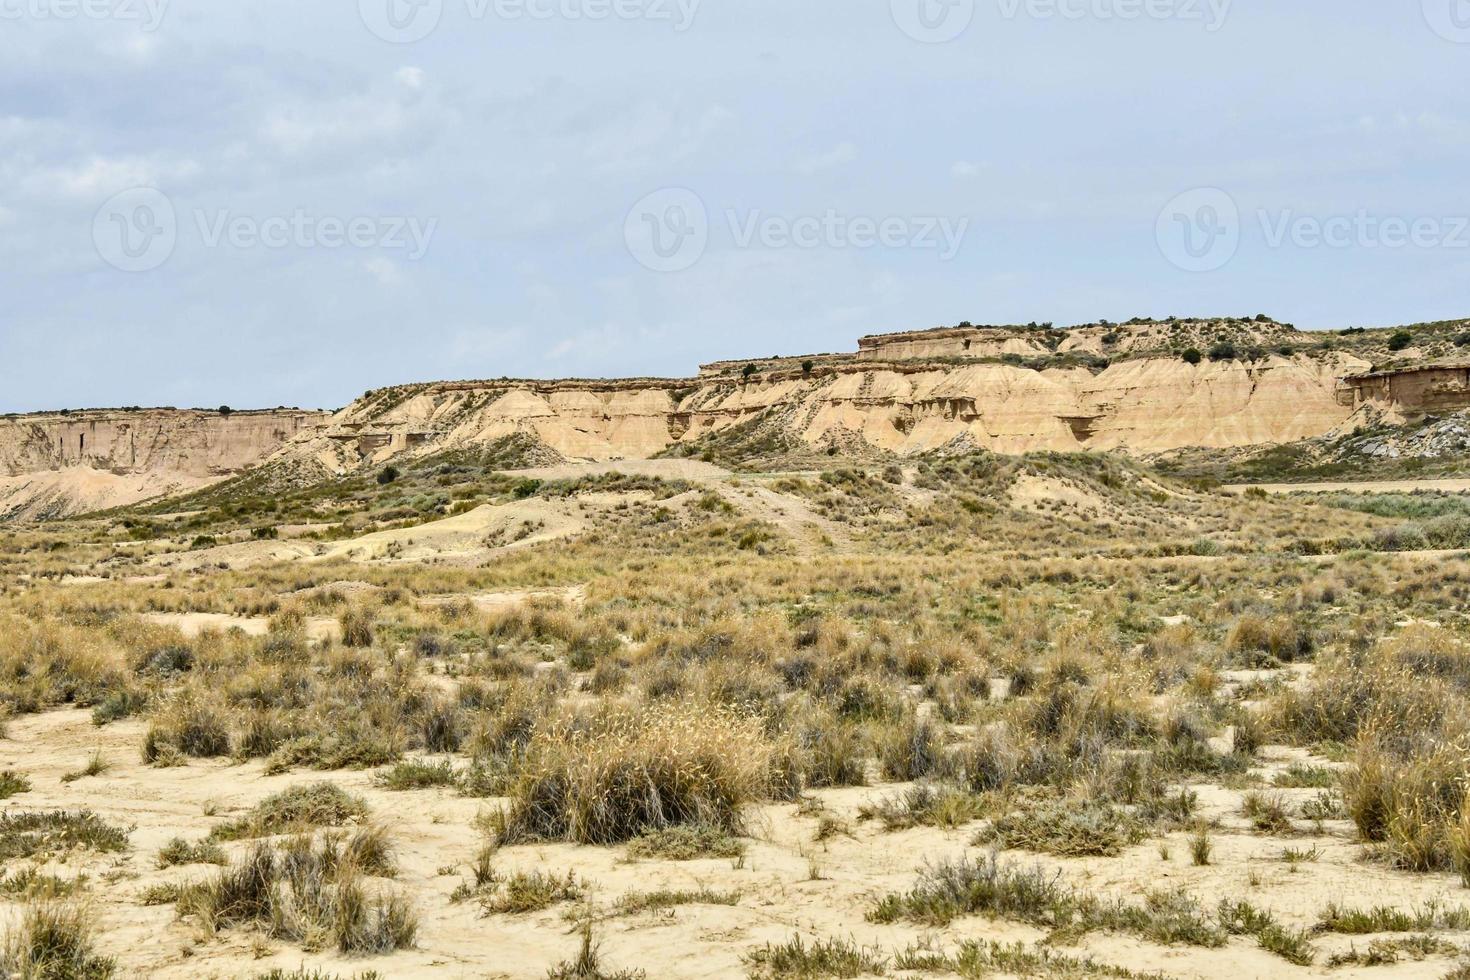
[(1010, 389), (1140, 405), (61, 463)]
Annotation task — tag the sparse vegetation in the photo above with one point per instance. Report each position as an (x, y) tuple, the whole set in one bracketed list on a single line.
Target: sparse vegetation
[(53, 941), (307, 893), (42, 834), (798, 960), (300, 808), (1064, 659)]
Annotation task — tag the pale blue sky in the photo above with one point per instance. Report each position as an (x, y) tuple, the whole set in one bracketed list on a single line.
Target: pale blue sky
[(517, 145)]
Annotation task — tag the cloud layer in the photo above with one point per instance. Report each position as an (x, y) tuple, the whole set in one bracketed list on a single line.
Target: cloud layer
[(524, 131)]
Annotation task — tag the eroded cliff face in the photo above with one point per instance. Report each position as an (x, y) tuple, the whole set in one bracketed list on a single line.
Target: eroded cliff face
[(56, 464), (1125, 387), (1143, 405)]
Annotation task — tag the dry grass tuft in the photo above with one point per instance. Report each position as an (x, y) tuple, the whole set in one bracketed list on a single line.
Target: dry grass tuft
[(53, 941), (631, 772)]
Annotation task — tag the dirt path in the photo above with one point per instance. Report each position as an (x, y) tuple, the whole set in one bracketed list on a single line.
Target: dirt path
[(669, 469), (792, 515), (1367, 486), (194, 623)]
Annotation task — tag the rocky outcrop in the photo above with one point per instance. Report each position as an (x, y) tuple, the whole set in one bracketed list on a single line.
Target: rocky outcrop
[(60, 463), (1140, 387), (1410, 392), (1140, 405)]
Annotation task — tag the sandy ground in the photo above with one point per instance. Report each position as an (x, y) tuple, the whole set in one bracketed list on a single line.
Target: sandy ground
[(792, 515), (467, 538), (473, 537), (1041, 493), (1366, 486), (788, 883), (80, 489), (573, 595), (668, 469), (193, 623)]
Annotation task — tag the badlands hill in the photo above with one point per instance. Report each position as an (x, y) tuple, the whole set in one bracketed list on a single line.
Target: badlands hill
[(1144, 387), (59, 463)]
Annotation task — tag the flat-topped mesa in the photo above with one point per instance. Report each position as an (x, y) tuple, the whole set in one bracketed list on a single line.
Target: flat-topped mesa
[(188, 442), (963, 341), (804, 364), (1143, 386), (54, 464), (1029, 343)]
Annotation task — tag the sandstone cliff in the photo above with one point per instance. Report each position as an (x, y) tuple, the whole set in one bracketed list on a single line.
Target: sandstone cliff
[(60, 463), (1141, 387), (1142, 405)]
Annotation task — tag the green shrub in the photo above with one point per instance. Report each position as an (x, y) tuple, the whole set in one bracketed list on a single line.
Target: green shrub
[(12, 782), (924, 805), (686, 842), (796, 960), (1068, 828), (24, 835), (179, 851), (417, 774), (300, 808)]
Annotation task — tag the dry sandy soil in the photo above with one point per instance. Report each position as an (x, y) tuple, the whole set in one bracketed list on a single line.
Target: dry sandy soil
[(787, 882), (792, 880)]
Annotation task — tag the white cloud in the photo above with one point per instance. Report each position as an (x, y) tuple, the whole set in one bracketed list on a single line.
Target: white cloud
[(99, 177), (965, 170), (815, 163), (497, 347), (385, 272), (410, 77)]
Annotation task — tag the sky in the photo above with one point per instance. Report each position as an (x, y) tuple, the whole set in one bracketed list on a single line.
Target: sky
[(282, 202)]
